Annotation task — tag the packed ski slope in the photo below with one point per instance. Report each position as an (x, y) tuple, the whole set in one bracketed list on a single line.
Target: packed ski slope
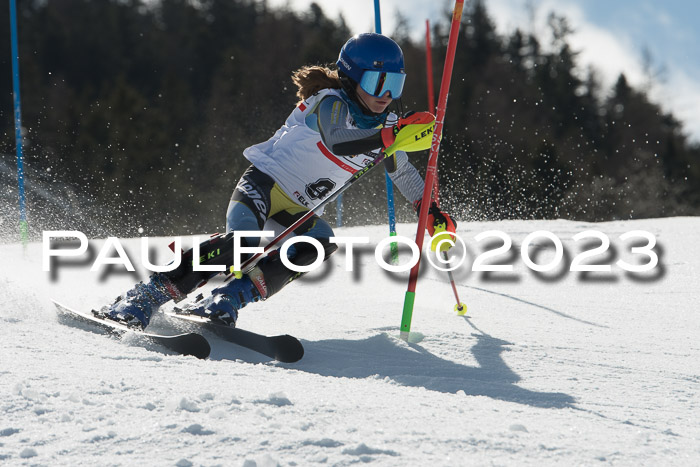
[(551, 368)]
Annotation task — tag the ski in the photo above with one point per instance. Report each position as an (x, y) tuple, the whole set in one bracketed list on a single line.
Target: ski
[(283, 348), (185, 344)]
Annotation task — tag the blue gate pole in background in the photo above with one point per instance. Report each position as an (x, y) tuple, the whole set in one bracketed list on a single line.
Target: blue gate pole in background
[(23, 226), (389, 184)]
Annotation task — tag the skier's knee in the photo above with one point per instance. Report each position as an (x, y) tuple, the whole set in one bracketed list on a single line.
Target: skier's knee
[(304, 253), (240, 217)]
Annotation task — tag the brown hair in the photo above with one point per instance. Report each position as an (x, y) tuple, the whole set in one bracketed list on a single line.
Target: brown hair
[(311, 79)]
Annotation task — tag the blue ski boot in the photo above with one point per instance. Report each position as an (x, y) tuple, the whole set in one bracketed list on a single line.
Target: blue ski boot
[(223, 304), (136, 307)]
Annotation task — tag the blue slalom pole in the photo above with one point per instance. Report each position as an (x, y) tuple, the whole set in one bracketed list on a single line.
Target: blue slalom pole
[(23, 227), (339, 211), (389, 184), (377, 18)]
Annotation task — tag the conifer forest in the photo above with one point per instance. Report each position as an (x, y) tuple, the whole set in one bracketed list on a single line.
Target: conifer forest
[(135, 116)]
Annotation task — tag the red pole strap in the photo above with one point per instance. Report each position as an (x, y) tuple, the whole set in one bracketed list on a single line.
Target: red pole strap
[(432, 161)]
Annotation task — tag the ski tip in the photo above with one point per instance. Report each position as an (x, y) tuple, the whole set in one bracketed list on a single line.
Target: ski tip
[(59, 305), (289, 349), (199, 346), (191, 344)]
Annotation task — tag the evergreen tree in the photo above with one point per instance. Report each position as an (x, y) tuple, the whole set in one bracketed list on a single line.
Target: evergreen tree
[(144, 109)]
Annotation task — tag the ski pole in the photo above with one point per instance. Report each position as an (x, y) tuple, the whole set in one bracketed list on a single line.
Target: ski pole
[(432, 166), (310, 213), (460, 307)]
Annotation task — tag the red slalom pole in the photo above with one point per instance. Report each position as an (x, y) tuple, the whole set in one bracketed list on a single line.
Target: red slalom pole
[(431, 94), (432, 165), (429, 66), (460, 308)]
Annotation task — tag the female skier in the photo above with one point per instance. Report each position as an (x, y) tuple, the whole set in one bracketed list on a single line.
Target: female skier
[(338, 127)]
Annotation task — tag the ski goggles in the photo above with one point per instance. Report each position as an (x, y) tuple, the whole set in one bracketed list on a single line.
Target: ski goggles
[(377, 83)]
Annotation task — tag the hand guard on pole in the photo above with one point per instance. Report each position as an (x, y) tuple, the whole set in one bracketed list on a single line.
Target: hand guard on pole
[(411, 133)]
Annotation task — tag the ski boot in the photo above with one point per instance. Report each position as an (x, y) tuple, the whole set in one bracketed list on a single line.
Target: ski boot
[(136, 307), (222, 305)]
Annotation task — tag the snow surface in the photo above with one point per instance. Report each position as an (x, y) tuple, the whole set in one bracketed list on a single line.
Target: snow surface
[(557, 368)]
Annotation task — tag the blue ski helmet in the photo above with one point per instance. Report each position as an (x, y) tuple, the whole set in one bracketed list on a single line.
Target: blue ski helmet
[(375, 62)]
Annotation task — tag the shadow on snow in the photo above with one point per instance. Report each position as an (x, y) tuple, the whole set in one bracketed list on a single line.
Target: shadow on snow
[(383, 356)]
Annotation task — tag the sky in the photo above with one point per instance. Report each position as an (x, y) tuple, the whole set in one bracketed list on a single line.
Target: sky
[(610, 36)]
